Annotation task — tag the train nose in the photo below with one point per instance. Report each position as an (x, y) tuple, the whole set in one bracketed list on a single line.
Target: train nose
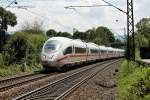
[(47, 57)]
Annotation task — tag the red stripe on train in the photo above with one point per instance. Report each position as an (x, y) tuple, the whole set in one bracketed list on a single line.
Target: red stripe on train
[(72, 55)]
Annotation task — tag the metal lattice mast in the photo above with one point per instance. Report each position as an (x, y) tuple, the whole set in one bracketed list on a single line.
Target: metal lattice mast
[(130, 30)]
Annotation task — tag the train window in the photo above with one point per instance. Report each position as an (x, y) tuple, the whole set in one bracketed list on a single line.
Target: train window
[(80, 50), (110, 52), (68, 51), (94, 51), (51, 46), (103, 51)]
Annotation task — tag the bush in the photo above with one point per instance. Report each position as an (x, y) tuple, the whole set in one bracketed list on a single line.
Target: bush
[(137, 54), (24, 48), (126, 68), (37, 41), (15, 69), (1, 60), (22, 54), (133, 83), (16, 49), (11, 70)]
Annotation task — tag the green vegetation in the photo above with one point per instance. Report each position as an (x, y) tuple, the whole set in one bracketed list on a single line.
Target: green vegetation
[(100, 35), (143, 27), (35, 27), (1, 60), (133, 83), (134, 79), (142, 35), (22, 53), (52, 32), (15, 69), (7, 18), (23, 48)]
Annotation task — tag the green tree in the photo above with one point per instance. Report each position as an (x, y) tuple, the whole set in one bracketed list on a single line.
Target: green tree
[(24, 48), (65, 34), (106, 35), (34, 27), (7, 18), (118, 44), (91, 34), (140, 40), (100, 35), (80, 35), (143, 27), (142, 35), (51, 33), (16, 48)]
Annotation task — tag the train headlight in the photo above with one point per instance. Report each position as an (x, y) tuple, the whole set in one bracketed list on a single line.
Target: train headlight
[(50, 58), (44, 56)]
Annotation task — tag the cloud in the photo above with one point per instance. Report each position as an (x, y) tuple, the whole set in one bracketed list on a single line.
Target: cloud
[(54, 15)]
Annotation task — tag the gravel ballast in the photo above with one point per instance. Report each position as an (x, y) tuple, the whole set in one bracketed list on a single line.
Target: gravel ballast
[(100, 87)]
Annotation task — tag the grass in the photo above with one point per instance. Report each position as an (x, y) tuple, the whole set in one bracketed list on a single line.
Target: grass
[(1, 60), (11, 70), (15, 68), (134, 82)]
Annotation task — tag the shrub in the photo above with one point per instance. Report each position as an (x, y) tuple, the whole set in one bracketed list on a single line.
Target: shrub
[(23, 48), (137, 54), (38, 41), (133, 83), (1, 60), (11, 70), (17, 48), (126, 68)]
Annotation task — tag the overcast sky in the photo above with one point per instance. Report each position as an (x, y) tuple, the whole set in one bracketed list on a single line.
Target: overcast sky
[(53, 14)]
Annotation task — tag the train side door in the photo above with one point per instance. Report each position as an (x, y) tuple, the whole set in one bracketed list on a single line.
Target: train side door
[(68, 51)]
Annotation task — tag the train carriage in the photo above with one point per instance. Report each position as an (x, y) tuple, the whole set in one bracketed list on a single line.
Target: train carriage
[(93, 52), (60, 51), (103, 52)]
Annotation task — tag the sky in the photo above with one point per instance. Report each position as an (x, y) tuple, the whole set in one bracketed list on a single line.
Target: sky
[(53, 15)]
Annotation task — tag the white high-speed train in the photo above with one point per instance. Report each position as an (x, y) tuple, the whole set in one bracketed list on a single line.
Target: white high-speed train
[(60, 51)]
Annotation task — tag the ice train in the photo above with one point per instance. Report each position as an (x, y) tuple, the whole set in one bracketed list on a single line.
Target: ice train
[(60, 51)]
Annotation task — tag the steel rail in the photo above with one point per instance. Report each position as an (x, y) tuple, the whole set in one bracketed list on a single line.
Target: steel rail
[(17, 77), (73, 88), (7, 87), (45, 87)]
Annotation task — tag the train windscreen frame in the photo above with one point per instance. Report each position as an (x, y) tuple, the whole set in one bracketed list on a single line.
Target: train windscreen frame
[(51, 46)]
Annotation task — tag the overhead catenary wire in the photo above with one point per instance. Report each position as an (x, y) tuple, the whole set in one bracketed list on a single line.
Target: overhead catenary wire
[(14, 1), (114, 6), (71, 7), (84, 6)]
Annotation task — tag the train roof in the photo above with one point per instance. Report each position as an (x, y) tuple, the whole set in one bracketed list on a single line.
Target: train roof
[(68, 41), (62, 39), (101, 47), (110, 49), (92, 45), (80, 43)]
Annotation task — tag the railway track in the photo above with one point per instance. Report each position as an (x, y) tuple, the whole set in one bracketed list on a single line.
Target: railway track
[(20, 80), (60, 88)]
